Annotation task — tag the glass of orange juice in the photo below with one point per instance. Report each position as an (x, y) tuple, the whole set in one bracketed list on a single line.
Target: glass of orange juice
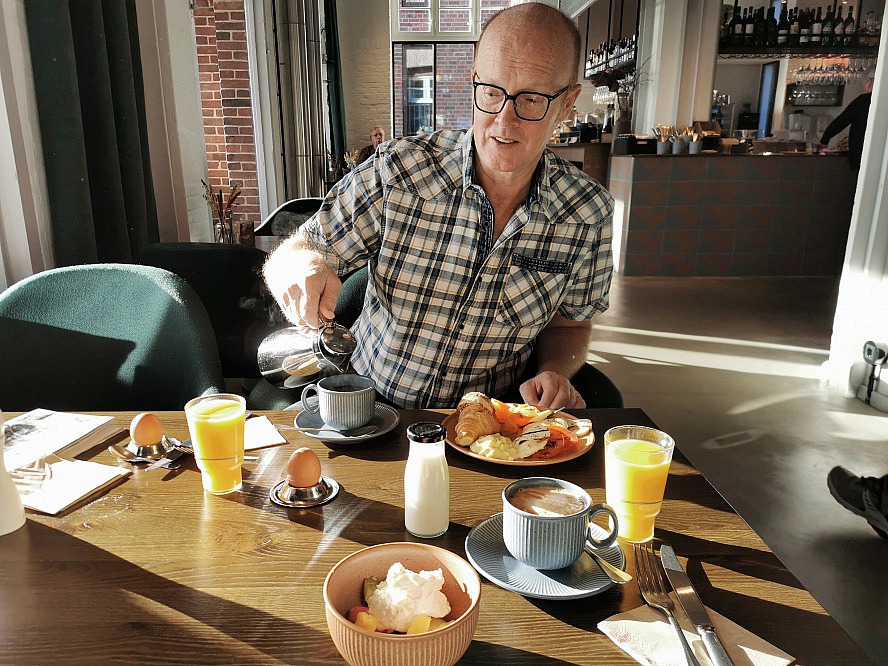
[(216, 425), (636, 464)]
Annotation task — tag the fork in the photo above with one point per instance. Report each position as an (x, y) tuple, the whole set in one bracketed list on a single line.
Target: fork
[(653, 589)]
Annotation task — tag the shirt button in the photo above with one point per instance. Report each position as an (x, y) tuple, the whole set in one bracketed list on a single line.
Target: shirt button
[(470, 194), (443, 373)]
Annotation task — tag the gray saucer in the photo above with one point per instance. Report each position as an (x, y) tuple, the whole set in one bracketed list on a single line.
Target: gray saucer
[(488, 554), (385, 418)]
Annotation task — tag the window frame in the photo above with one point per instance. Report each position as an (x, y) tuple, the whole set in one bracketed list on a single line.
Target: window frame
[(434, 35)]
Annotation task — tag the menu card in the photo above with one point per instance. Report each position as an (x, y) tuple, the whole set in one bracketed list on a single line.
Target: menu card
[(42, 432)]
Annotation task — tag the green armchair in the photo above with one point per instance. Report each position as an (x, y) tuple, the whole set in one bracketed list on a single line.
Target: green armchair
[(105, 337)]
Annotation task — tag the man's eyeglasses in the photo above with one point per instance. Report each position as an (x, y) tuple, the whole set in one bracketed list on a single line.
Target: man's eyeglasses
[(528, 105)]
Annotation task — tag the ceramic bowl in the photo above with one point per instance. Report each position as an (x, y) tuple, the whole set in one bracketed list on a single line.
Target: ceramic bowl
[(442, 647)]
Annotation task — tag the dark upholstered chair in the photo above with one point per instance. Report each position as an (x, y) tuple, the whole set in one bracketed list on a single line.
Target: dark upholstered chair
[(288, 217), (228, 279), (105, 337)]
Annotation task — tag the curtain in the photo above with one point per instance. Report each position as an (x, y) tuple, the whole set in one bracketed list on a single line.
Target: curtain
[(334, 80), (91, 113)]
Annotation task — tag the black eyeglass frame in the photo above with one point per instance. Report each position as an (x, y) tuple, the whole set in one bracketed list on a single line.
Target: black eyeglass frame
[(514, 98)]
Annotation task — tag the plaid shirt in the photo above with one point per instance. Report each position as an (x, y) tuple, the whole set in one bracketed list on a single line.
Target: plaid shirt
[(449, 309)]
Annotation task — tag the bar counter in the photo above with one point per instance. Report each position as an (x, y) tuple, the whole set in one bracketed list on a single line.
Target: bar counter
[(729, 215)]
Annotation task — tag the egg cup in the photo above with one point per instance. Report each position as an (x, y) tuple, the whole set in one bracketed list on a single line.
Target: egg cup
[(283, 494), (152, 452)]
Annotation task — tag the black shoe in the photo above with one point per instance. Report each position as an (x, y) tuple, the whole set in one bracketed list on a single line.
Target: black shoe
[(866, 496)]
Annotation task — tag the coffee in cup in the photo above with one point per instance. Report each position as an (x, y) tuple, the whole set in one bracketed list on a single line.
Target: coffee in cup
[(343, 401), (546, 522)]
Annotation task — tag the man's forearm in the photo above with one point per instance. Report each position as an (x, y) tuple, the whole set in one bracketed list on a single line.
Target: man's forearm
[(561, 347)]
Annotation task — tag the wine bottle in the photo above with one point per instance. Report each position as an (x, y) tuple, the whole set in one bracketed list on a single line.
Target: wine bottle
[(839, 29), (816, 29), (794, 28), (783, 29), (850, 28), (760, 26), (749, 28), (805, 28), (735, 26), (771, 28), (826, 35)]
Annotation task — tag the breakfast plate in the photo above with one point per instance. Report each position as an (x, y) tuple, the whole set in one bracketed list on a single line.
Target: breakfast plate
[(586, 442), (385, 418), (487, 552)]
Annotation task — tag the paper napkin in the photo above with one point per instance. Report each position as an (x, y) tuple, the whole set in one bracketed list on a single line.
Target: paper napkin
[(67, 482), (646, 635), (259, 432)]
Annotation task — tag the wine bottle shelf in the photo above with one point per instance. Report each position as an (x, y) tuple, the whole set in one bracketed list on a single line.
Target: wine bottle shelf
[(797, 51), (594, 74)]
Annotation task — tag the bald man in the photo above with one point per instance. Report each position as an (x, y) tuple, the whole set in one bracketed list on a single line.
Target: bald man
[(487, 254)]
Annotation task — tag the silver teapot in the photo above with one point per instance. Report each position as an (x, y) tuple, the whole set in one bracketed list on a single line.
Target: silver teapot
[(293, 357)]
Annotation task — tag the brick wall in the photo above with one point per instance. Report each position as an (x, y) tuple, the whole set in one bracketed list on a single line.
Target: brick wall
[(225, 101), (453, 85)]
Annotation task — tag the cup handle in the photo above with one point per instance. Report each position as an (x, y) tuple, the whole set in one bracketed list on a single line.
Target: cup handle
[(310, 407), (611, 538)]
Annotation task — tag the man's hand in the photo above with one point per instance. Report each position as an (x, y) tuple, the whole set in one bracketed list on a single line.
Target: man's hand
[(550, 390), (302, 283), (561, 351)]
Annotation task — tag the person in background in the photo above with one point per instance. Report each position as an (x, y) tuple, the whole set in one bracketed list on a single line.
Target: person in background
[(377, 136), (853, 116), (484, 249), (866, 496)]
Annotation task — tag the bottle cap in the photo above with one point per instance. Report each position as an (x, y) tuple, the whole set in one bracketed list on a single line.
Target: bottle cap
[(426, 432)]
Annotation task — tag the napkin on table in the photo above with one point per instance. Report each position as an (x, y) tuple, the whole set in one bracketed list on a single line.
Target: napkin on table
[(66, 482), (646, 635), (259, 432)]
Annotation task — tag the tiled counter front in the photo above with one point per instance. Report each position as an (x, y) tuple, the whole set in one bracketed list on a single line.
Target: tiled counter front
[(730, 215)]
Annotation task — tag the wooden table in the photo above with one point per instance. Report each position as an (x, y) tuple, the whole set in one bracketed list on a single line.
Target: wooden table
[(156, 570)]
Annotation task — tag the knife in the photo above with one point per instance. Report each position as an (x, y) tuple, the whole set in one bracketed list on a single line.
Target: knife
[(171, 456), (695, 609)]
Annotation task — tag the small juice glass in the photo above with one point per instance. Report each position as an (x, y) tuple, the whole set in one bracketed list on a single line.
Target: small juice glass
[(216, 424), (636, 465)]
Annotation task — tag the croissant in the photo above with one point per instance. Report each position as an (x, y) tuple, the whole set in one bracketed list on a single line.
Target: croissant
[(475, 418)]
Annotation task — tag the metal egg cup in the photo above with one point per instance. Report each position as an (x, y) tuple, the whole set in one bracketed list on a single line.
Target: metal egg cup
[(152, 452), (283, 494)]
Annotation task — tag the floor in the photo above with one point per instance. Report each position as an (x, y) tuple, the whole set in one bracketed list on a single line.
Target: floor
[(730, 368)]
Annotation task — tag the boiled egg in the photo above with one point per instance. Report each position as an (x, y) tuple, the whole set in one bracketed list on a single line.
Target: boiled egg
[(303, 468), (146, 429)]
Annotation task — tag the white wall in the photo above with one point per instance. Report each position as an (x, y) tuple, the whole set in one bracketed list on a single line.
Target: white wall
[(366, 66), (862, 308), (25, 245)]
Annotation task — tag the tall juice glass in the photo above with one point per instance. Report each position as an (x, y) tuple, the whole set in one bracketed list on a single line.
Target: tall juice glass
[(636, 465), (216, 424)]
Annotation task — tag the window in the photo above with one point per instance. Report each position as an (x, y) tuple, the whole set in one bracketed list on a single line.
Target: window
[(432, 86), (441, 20), (433, 46)]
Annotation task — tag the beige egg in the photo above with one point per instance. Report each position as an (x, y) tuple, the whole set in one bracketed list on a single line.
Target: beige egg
[(146, 429), (303, 468)]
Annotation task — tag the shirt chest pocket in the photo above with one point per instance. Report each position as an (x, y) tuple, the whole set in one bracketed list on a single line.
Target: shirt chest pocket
[(532, 292)]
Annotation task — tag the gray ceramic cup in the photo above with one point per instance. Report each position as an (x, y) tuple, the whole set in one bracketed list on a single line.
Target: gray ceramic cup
[(344, 401), (556, 538)]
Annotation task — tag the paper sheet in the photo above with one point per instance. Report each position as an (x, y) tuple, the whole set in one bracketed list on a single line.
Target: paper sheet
[(259, 432), (68, 482)]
